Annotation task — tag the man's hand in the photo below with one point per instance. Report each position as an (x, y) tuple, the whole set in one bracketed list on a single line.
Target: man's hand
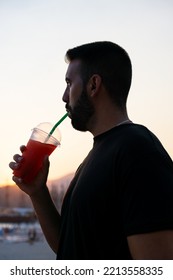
[(44, 207), (39, 181)]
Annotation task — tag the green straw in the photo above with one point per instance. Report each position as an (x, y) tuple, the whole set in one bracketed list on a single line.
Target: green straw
[(58, 123), (54, 127)]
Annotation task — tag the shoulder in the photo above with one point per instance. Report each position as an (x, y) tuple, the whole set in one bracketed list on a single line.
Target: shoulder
[(138, 138), (136, 132), (130, 142), (136, 144), (130, 133)]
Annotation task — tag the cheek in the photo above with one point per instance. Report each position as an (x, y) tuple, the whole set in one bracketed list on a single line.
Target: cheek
[(74, 95)]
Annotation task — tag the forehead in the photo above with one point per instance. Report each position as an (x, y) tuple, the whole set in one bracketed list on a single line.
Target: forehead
[(73, 68)]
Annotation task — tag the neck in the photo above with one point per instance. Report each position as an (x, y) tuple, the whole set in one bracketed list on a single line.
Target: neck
[(107, 121)]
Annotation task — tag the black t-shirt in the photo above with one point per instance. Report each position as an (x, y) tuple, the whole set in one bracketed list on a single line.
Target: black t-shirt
[(123, 187)]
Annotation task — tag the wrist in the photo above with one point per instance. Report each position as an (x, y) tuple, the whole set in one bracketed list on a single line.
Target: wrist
[(37, 194)]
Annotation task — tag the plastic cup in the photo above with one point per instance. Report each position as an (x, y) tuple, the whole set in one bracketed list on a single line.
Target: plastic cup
[(39, 145)]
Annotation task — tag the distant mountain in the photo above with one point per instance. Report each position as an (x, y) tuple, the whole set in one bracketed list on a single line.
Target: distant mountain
[(65, 180), (58, 188)]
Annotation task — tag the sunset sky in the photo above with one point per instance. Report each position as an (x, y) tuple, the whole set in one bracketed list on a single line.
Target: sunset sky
[(34, 37)]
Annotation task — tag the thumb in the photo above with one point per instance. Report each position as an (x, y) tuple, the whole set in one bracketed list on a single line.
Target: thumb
[(46, 165)]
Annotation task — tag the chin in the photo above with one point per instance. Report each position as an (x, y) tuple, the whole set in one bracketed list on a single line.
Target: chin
[(78, 126)]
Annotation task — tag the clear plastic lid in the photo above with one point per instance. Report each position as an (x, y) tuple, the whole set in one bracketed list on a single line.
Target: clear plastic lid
[(41, 133)]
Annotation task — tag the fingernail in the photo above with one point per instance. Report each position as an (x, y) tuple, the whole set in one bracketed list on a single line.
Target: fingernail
[(16, 165), (17, 179), (20, 159)]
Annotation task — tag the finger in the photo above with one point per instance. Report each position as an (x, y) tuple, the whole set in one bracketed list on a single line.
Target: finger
[(46, 161), (17, 180), (22, 148), (17, 158), (45, 168), (14, 165)]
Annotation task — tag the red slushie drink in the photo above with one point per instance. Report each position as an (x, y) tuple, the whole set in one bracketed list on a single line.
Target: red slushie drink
[(38, 146)]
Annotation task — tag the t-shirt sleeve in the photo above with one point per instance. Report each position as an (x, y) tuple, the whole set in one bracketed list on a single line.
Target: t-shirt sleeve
[(147, 196)]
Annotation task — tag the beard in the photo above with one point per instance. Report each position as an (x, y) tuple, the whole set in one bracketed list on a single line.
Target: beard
[(82, 112)]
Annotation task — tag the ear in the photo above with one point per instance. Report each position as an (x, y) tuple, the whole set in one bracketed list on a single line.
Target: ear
[(94, 85)]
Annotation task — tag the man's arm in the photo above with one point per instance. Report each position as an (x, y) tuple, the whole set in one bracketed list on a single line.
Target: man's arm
[(38, 192), (48, 216), (152, 246)]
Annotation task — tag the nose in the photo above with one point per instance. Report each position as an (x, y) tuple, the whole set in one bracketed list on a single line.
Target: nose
[(65, 96)]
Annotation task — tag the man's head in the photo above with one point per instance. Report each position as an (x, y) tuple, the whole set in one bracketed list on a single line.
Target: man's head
[(111, 62), (102, 62)]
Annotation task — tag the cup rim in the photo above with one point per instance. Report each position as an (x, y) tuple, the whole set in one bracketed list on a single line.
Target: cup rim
[(51, 136)]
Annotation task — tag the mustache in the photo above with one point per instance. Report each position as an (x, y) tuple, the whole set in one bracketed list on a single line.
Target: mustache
[(68, 109)]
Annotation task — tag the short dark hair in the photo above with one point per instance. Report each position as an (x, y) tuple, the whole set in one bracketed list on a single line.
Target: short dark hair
[(108, 60)]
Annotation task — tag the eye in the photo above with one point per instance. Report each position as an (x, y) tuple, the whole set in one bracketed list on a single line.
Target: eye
[(68, 82)]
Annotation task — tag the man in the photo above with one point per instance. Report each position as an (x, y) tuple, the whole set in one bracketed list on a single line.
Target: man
[(120, 203)]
